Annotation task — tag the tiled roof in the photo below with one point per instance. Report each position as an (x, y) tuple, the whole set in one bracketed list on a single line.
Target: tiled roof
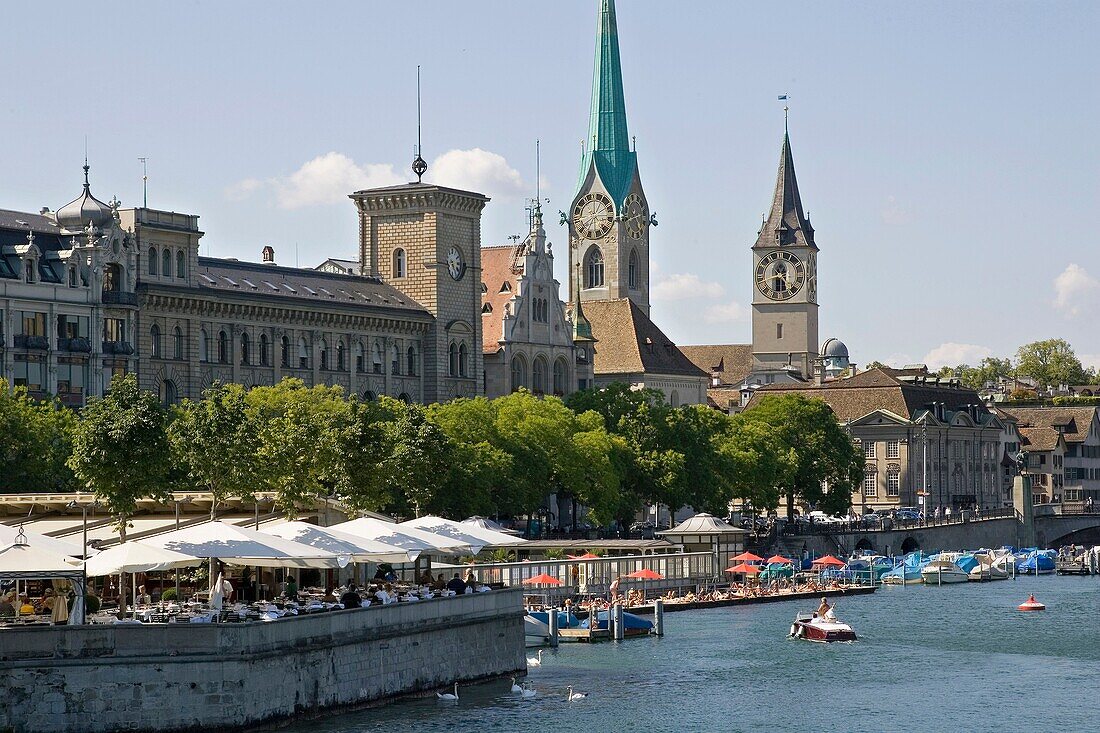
[(786, 217), (272, 281), (1039, 439), (497, 269), (733, 362), (722, 398), (630, 343), (1074, 421), (878, 389)]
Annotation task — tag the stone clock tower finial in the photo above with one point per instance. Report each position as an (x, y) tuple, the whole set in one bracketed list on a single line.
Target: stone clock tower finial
[(784, 306)]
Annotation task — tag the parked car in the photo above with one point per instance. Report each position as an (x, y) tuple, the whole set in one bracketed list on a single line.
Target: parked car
[(641, 526), (908, 515)]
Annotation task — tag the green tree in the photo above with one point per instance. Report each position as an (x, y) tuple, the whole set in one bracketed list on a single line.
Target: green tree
[(760, 460), (121, 450), (822, 464), (480, 479), (215, 443), (1050, 363), (36, 443), (361, 480), (988, 371), (876, 365), (417, 465)]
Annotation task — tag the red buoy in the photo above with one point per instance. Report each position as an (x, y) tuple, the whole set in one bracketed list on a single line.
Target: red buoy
[(1031, 605)]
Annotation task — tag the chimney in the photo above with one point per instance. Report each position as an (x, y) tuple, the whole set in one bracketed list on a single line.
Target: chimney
[(269, 255)]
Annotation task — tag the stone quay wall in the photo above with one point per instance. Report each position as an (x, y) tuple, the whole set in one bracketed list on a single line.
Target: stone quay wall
[(237, 676)]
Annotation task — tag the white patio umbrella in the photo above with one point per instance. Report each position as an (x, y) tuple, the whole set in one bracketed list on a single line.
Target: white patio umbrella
[(21, 560), (216, 595), (462, 532), (8, 534), (403, 536), (134, 557), (359, 549), (237, 545), (486, 523)]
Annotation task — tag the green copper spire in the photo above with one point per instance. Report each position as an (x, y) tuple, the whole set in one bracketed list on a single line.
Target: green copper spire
[(608, 143)]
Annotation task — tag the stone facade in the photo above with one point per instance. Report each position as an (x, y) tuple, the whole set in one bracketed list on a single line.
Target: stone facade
[(235, 676)]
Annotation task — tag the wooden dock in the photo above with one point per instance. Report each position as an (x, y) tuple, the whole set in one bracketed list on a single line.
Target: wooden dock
[(753, 600)]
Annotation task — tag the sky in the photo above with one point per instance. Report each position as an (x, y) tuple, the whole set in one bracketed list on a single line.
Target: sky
[(946, 152)]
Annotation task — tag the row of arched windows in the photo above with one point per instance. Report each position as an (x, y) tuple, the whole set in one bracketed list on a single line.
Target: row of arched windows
[(538, 375), (162, 264), (593, 269), (299, 357), (157, 348), (540, 310), (458, 359)]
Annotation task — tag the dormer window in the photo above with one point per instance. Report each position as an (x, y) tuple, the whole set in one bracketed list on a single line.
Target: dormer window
[(72, 276), (29, 268), (487, 308), (506, 287)]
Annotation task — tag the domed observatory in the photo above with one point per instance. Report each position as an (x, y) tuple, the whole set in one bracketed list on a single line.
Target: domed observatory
[(834, 357)]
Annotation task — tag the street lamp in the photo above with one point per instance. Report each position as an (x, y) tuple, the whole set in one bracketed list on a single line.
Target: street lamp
[(84, 537), (177, 502)]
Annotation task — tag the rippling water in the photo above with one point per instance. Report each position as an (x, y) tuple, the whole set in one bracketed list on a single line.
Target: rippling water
[(956, 658)]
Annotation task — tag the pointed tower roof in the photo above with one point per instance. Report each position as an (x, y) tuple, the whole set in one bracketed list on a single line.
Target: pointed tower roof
[(786, 223), (608, 143), (582, 327)]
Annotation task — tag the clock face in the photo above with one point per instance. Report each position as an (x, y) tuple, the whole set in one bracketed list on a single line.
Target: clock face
[(811, 279), (780, 275), (636, 215), (456, 266), (593, 216)]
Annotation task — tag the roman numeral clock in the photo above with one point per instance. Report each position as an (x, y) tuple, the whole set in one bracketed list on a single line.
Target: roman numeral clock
[(781, 275)]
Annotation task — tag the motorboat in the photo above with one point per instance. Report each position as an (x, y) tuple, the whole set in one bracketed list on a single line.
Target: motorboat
[(1037, 562), (987, 569), (943, 570), (908, 572), (811, 627), (633, 625)]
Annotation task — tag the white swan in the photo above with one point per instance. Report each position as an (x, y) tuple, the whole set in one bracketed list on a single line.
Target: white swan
[(528, 693), (574, 696), (515, 687), (535, 661), (448, 696)]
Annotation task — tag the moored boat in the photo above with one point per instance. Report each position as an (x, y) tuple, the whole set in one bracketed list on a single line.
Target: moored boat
[(1037, 562), (943, 570), (811, 627)]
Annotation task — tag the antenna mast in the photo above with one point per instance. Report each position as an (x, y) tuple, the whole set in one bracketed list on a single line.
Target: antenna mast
[(144, 184), (419, 166)]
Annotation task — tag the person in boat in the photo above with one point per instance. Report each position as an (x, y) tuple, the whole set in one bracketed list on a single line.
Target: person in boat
[(824, 607)]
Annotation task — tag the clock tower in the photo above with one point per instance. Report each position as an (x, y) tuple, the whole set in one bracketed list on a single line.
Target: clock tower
[(609, 218), (784, 303)]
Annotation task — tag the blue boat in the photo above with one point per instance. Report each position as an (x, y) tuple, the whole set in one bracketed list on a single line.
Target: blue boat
[(633, 625), (1037, 562), (907, 572)]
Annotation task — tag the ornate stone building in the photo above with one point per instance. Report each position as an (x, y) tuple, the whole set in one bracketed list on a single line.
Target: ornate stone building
[(609, 225), (528, 334)]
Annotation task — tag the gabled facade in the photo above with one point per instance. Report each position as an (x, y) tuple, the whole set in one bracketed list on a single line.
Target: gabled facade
[(1080, 430)]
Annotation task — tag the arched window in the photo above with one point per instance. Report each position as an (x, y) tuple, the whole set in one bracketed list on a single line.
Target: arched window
[(324, 354), (171, 396), (245, 355), (303, 353), (674, 399), (395, 360), (404, 397), (284, 355), (560, 372), (166, 263), (399, 262), (223, 348), (463, 369), (632, 270), (519, 372), (265, 353), (538, 376), (340, 356), (360, 363), (369, 396), (180, 269), (452, 360), (154, 340), (177, 344), (376, 357), (411, 362), (593, 268), (204, 346), (152, 260)]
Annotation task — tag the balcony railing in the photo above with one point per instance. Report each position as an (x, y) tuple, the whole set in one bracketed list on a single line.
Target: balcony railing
[(23, 341), (117, 297), (118, 347), (76, 343)]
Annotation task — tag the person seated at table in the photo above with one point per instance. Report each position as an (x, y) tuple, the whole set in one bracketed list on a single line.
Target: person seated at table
[(471, 579), (6, 607), (290, 590), (25, 607), (330, 597), (426, 578), (143, 598), (382, 595), (45, 603), (351, 599), (456, 585), (440, 583)]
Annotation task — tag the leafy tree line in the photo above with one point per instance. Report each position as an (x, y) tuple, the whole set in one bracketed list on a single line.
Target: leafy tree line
[(614, 450), (1050, 363)]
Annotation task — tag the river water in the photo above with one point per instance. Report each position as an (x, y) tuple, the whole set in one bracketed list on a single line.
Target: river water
[(951, 658)]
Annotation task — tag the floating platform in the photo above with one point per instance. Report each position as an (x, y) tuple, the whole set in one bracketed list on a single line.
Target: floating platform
[(753, 600)]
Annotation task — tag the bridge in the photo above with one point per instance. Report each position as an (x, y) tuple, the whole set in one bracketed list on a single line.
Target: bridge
[(1051, 526)]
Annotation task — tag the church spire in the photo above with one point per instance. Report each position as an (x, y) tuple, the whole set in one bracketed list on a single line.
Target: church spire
[(786, 223), (608, 143)]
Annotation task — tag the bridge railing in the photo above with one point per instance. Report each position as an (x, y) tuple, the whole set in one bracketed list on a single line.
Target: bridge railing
[(888, 523)]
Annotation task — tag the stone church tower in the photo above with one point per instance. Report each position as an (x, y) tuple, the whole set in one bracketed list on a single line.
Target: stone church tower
[(609, 217), (784, 303)]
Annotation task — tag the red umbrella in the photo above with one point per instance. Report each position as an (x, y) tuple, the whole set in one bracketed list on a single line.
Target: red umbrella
[(542, 579), (829, 560), (585, 556), (746, 557), (645, 574), (779, 559), (743, 568)]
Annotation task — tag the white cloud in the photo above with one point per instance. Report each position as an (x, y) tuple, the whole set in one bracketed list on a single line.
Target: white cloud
[(477, 170), (1090, 360), (730, 312), (327, 179), (1074, 290), (685, 285), (953, 354)]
